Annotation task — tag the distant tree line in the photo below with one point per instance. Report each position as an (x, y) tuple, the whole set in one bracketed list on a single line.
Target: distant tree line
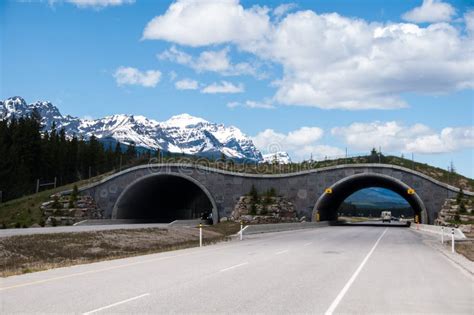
[(28, 153), (352, 210)]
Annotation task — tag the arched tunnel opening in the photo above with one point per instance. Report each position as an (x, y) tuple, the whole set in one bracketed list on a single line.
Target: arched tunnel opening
[(163, 199), (371, 202), (330, 202)]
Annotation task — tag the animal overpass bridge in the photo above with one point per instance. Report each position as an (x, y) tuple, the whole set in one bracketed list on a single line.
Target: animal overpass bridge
[(166, 192)]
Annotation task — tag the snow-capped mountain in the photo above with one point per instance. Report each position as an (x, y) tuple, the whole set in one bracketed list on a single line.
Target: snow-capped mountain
[(179, 134), (277, 157)]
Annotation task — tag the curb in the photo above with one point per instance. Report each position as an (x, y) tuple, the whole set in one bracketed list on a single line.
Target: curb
[(281, 227), (465, 263)]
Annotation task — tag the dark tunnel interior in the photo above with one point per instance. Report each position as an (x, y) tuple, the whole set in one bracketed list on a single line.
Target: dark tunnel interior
[(330, 202), (163, 199)]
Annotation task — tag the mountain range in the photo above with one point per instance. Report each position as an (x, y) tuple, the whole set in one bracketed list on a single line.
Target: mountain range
[(180, 134), (277, 157), (377, 197)]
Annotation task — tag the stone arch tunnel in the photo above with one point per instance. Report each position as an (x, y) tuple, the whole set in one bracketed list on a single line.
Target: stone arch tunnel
[(164, 198), (183, 191), (334, 196)]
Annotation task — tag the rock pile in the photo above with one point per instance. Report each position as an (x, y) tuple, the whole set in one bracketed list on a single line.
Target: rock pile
[(452, 214), (265, 210), (60, 211)]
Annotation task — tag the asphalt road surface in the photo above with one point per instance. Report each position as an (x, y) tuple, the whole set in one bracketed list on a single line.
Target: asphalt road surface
[(346, 269)]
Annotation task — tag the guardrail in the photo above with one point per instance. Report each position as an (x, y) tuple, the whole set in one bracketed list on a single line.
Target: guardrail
[(280, 227), (437, 229)]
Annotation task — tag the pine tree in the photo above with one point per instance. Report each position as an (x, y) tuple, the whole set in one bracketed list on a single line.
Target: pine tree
[(376, 157), (462, 207), (131, 153), (253, 193), (73, 197), (460, 196), (28, 153)]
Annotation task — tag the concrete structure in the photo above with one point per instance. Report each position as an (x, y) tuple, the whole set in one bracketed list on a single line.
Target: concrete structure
[(164, 192)]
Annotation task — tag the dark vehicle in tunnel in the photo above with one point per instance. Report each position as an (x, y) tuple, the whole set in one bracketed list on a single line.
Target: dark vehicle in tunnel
[(207, 218)]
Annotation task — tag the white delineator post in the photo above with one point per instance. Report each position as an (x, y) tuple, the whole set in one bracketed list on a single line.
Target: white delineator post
[(442, 235), (452, 240), (241, 230), (200, 235)]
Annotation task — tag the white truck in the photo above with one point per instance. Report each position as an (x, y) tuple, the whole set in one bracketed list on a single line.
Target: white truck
[(386, 216)]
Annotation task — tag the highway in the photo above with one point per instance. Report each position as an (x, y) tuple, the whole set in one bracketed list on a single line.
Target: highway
[(340, 270)]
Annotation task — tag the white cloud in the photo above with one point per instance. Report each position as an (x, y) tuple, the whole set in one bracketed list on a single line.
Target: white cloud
[(448, 140), (318, 152), (186, 84), (98, 4), (223, 87), (393, 136), (201, 23), (284, 8), (351, 64), (328, 60), (300, 143), (430, 11), (209, 60), (133, 76), (266, 104), (469, 21), (176, 55)]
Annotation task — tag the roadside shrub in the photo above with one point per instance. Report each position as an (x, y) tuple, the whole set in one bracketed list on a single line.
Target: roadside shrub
[(271, 192), (253, 194), (56, 204), (253, 209), (460, 196), (457, 218), (462, 207), (73, 197)]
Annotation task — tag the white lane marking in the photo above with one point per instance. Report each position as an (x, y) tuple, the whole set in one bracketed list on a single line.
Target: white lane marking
[(341, 294), (116, 304), (235, 266), (282, 252), (307, 244)]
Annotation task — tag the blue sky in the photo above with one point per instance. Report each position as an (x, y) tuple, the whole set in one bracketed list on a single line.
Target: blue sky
[(313, 77)]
